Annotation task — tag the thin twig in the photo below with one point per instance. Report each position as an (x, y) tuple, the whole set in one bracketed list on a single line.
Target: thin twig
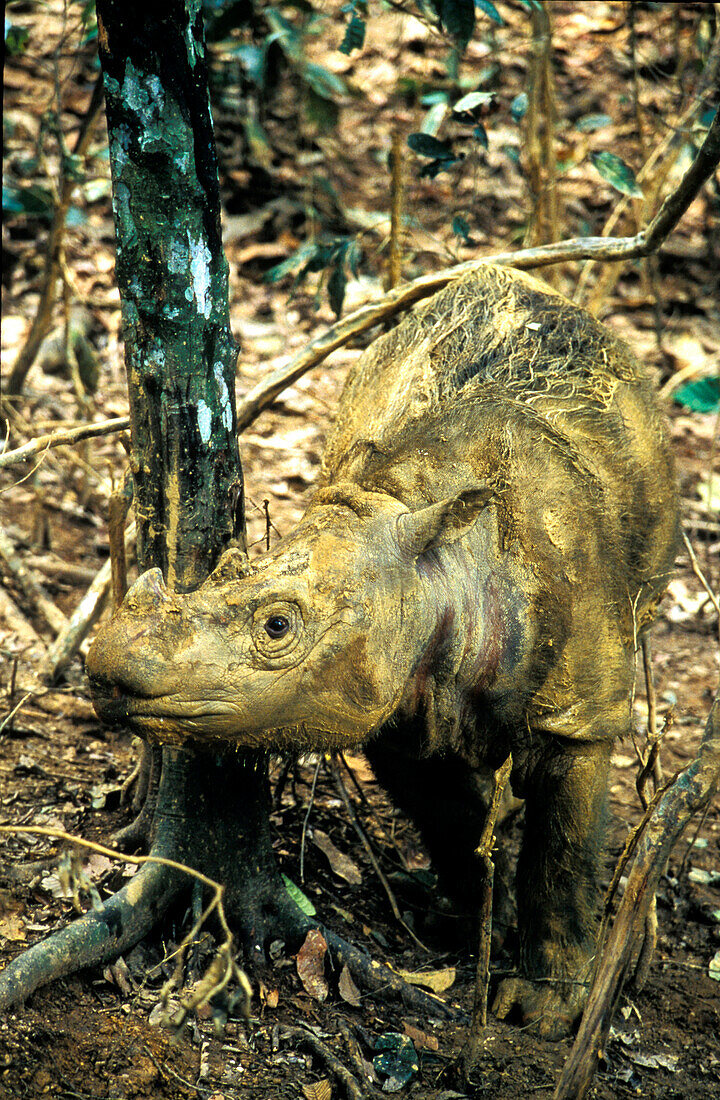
[(402, 297), (700, 575), (63, 437), (307, 818), (482, 973), (371, 855)]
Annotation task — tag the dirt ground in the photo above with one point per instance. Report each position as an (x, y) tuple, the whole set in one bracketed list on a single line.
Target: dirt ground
[(96, 1034)]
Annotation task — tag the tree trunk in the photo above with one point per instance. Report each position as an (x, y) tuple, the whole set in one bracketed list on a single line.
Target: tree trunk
[(180, 356)]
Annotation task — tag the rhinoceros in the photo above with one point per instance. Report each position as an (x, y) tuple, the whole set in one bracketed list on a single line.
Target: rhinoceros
[(494, 526)]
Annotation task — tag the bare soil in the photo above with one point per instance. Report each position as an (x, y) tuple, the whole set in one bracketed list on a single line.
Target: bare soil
[(95, 1035)]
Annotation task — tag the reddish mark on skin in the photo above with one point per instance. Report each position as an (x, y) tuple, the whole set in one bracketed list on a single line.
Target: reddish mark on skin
[(483, 669), (433, 654)]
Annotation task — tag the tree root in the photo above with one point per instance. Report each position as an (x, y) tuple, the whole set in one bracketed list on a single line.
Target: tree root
[(384, 982), (349, 1083), (97, 938)]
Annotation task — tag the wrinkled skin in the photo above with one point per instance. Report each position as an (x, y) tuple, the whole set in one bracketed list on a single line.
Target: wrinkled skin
[(495, 525)]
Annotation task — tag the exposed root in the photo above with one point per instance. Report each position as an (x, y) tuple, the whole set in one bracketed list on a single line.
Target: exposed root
[(146, 778), (348, 1082), (96, 938), (384, 982)]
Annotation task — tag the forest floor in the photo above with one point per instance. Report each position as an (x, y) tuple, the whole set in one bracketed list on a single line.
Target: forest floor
[(95, 1034)]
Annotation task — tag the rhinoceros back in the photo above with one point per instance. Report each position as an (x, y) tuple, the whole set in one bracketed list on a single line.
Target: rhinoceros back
[(500, 379)]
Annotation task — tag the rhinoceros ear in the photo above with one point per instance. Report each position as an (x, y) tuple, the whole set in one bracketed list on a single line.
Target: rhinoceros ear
[(441, 523)]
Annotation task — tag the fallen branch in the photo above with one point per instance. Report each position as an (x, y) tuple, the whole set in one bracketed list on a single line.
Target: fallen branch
[(384, 982), (349, 1083), (83, 618), (62, 437), (689, 793), (38, 600), (402, 297)]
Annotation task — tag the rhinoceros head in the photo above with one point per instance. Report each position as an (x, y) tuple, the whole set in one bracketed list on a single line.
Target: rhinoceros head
[(313, 646)]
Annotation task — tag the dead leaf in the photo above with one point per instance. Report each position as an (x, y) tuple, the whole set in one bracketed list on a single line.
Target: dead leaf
[(420, 1038), (12, 927), (341, 864), (269, 997), (347, 988), (310, 962), (319, 1090), (435, 980)]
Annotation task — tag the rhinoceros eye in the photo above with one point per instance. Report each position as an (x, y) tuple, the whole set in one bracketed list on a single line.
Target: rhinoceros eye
[(277, 626)]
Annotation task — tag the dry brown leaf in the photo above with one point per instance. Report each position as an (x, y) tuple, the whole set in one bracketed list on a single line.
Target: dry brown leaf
[(269, 997), (318, 1090), (347, 988), (341, 864), (420, 1038), (435, 980), (310, 962)]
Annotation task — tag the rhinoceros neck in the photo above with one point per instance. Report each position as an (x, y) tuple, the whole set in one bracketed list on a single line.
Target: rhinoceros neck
[(467, 639)]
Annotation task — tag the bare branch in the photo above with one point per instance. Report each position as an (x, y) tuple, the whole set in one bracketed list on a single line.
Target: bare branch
[(402, 297), (62, 437)]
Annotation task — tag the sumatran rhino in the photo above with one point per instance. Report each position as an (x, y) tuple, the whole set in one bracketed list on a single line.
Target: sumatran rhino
[(495, 524)]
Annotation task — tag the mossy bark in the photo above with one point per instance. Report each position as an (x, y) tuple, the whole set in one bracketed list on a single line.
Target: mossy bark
[(180, 357)]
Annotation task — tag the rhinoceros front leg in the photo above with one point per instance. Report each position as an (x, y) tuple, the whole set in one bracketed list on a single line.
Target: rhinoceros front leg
[(558, 885)]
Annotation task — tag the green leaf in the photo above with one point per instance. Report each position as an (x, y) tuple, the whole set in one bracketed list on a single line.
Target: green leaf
[(16, 37), (258, 142), (701, 396), (433, 119), (472, 100), (491, 11), (33, 200), (588, 124), (461, 227), (354, 256), (519, 106), (326, 84), (324, 112), (480, 134), (293, 263), (458, 19), (354, 35), (303, 903), (617, 173), (336, 286), (431, 98), (427, 146), (397, 1060)]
